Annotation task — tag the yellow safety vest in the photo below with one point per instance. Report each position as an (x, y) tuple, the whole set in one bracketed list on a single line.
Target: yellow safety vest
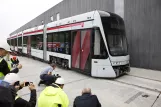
[(51, 97), (7, 59), (9, 64), (1, 74)]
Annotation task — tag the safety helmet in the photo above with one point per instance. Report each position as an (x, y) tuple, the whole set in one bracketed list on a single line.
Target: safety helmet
[(9, 50), (5, 46), (60, 81), (12, 78)]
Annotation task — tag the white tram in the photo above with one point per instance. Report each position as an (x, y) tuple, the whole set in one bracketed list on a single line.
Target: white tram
[(93, 43)]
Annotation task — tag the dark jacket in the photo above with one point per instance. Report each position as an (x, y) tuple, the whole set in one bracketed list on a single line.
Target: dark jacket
[(5, 69), (19, 102), (86, 100), (7, 96)]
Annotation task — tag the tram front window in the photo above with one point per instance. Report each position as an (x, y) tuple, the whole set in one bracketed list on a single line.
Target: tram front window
[(114, 29)]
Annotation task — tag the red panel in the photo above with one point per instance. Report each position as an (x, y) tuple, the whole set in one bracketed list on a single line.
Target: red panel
[(19, 35), (37, 31), (76, 50), (85, 49), (65, 26), (52, 28), (13, 37)]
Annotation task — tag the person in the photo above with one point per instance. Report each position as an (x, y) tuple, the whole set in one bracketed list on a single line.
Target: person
[(4, 68), (14, 61), (14, 79), (86, 100), (7, 94), (53, 95), (46, 75)]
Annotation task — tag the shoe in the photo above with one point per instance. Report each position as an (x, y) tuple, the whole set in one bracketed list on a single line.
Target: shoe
[(39, 83)]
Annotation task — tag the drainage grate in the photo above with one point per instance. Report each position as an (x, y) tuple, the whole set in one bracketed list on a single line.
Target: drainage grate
[(133, 98)]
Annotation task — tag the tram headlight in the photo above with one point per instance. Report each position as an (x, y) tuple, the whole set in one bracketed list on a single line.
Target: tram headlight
[(116, 63), (120, 63), (113, 63)]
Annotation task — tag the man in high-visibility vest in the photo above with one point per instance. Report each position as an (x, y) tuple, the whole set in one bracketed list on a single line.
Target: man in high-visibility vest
[(53, 95), (4, 69)]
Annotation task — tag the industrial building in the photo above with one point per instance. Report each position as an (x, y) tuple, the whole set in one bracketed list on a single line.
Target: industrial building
[(142, 20)]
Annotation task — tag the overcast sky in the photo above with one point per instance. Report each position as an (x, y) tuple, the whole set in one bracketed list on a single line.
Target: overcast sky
[(15, 13)]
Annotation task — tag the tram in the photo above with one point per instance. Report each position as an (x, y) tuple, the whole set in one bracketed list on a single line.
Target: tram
[(93, 43)]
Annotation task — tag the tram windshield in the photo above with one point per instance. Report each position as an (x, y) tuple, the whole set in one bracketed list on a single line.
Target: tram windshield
[(114, 29)]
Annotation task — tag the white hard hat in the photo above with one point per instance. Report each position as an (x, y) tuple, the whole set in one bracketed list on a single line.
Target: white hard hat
[(5, 46), (9, 50), (60, 81), (12, 78)]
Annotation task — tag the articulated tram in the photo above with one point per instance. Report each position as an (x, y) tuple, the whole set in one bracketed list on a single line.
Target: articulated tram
[(93, 43)]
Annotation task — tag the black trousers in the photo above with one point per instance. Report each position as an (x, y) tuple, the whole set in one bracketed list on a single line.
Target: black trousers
[(48, 79)]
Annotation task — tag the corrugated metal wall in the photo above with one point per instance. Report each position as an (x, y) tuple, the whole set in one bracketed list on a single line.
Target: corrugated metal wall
[(69, 8), (142, 18), (143, 23)]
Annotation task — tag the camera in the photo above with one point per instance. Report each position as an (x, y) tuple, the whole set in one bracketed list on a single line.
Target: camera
[(27, 83)]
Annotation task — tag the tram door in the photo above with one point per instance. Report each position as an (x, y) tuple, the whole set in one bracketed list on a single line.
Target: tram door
[(29, 46), (81, 57)]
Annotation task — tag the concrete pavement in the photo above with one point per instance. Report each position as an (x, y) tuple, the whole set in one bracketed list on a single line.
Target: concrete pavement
[(126, 91), (145, 73)]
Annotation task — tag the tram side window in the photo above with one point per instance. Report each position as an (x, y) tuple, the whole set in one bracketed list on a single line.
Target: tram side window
[(11, 42), (8, 41), (67, 43), (39, 42), (59, 42), (56, 44), (61, 39), (33, 42), (20, 41), (25, 41), (15, 42), (49, 42), (99, 49)]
